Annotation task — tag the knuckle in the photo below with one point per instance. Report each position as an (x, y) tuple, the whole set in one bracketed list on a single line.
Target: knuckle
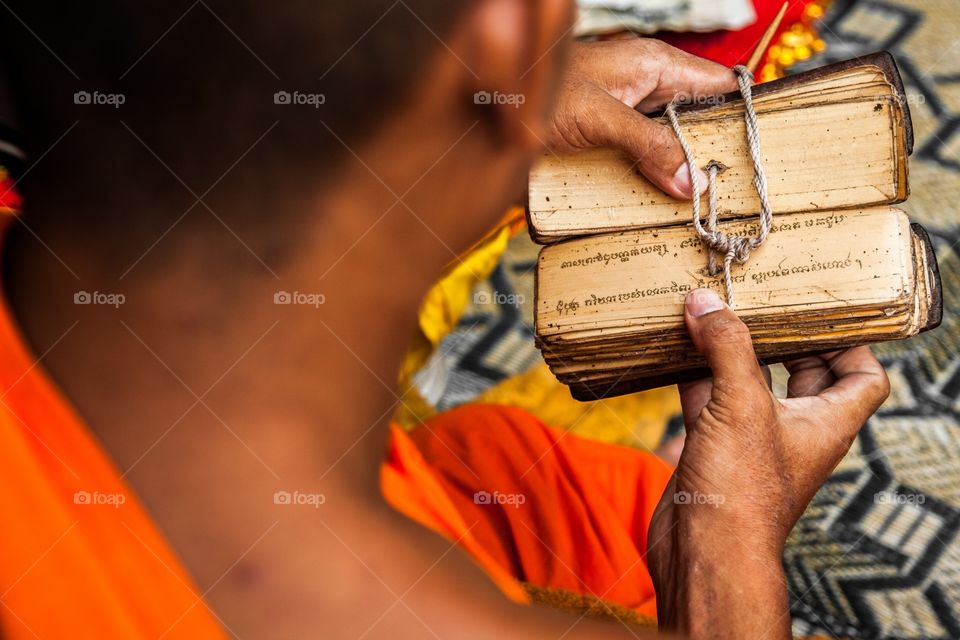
[(881, 387), (741, 411), (653, 45), (726, 329), (655, 144), (584, 118), (649, 153), (650, 54)]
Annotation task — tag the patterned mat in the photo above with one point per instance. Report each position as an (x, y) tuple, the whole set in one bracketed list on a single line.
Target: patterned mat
[(877, 554)]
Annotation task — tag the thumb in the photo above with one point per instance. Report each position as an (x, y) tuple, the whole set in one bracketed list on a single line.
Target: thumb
[(724, 341), (653, 145)]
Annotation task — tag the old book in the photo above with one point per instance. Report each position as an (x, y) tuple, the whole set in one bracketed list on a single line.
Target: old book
[(840, 267), (834, 137)]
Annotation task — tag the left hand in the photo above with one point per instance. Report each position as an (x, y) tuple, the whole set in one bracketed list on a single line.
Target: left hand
[(610, 84)]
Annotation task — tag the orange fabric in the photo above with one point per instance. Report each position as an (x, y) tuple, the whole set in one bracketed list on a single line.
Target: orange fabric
[(530, 503), (79, 556)]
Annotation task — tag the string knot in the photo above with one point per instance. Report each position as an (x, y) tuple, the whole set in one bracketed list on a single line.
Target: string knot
[(733, 248)]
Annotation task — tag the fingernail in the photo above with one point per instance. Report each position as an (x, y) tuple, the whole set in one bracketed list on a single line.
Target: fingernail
[(700, 302), (681, 180)]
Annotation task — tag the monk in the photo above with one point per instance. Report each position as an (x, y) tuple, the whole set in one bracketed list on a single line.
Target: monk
[(231, 211)]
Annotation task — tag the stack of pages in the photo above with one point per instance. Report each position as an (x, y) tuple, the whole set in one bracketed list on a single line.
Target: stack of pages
[(839, 268)]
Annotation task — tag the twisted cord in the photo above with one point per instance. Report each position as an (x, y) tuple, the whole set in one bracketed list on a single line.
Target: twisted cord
[(733, 248)]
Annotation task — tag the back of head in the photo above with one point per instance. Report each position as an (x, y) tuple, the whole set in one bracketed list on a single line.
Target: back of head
[(195, 83)]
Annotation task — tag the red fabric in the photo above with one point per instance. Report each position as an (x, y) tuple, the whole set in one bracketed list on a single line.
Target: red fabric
[(9, 198), (735, 47)]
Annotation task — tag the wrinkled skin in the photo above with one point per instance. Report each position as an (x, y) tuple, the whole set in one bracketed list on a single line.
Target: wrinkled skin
[(606, 80), (750, 465)]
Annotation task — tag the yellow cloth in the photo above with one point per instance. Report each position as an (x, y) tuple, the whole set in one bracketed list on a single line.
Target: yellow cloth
[(637, 420)]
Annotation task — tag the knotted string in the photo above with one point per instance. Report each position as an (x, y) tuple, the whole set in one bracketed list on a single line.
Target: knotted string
[(733, 248)]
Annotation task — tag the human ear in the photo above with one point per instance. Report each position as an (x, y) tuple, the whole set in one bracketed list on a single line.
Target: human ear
[(515, 54)]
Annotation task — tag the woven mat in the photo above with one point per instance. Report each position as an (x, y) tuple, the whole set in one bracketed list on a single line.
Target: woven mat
[(877, 554)]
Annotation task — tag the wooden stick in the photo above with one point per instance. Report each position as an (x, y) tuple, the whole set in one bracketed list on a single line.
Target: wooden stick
[(765, 40)]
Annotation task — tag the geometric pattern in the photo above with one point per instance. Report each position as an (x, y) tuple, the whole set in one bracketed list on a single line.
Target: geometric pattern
[(877, 553), (494, 337)]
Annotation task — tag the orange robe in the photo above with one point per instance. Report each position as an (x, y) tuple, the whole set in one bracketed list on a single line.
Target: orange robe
[(551, 517), (79, 556)]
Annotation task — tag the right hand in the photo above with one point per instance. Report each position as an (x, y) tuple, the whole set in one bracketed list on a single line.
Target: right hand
[(750, 465)]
